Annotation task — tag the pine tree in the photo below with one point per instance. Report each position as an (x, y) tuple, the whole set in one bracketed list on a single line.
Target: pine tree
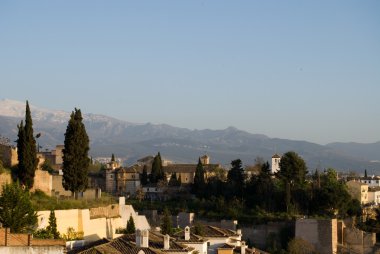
[(131, 226), (199, 179), (144, 175), (52, 228), (27, 151), (75, 155), (166, 224), (16, 210)]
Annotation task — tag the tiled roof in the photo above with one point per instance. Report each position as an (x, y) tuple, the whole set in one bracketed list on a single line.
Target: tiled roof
[(211, 231), (156, 241), (180, 237), (133, 169), (119, 245), (88, 247)]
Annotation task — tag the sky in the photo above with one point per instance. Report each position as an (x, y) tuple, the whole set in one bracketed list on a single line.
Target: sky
[(303, 70)]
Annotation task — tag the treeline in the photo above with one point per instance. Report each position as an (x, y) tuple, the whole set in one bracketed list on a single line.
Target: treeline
[(291, 191)]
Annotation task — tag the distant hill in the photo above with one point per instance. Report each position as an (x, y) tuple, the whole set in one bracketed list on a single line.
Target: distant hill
[(132, 141)]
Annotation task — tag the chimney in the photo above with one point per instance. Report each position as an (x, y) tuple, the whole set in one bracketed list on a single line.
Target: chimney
[(243, 246), (142, 238), (187, 233), (166, 242)]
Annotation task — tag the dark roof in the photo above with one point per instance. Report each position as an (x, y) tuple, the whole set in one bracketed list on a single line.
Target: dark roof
[(276, 156), (156, 241), (180, 237), (373, 189), (211, 231), (120, 245), (88, 247)]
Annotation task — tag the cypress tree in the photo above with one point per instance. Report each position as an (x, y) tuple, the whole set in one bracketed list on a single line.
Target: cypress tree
[(27, 151), (144, 176), (75, 155), (157, 173), (199, 179), (52, 228), (166, 224), (131, 226), (113, 157), (365, 173)]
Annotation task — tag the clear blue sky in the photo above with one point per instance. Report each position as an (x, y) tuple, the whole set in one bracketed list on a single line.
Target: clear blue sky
[(305, 70)]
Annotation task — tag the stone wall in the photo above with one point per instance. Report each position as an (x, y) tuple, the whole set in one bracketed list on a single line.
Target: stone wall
[(359, 241), (43, 181), (322, 234)]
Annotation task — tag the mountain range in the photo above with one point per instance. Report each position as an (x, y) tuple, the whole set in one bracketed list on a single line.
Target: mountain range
[(132, 141)]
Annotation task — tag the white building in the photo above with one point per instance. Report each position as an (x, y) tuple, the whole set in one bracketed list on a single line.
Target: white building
[(95, 223), (275, 163), (373, 181)]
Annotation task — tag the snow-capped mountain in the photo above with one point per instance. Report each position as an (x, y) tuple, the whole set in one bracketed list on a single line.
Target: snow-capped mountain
[(109, 135)]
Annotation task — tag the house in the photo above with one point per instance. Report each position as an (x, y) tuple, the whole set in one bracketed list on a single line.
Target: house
[(373, 181), (120, 181), (25, 243), (186, 172), (358, 191), (153, 192), (189, 239), (127, 181), (95, 223), (54, 157), (218, 237)]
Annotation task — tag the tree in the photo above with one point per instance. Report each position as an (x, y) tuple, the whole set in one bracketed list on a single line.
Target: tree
[(300, 246), (292, 168), (27, 151), (157, 173), (113, 157), (365, 173), (173, 181), (75, 155), (235, 178), (292, 173), (16, 210), (131, 226), (144, 175), (199, 179), (166, 224), (52, 228)]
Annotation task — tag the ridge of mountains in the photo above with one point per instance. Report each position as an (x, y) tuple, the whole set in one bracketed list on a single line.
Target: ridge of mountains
[(132, 141)]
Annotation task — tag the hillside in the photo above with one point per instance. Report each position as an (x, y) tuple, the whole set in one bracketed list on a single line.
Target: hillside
[(132, 141)]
